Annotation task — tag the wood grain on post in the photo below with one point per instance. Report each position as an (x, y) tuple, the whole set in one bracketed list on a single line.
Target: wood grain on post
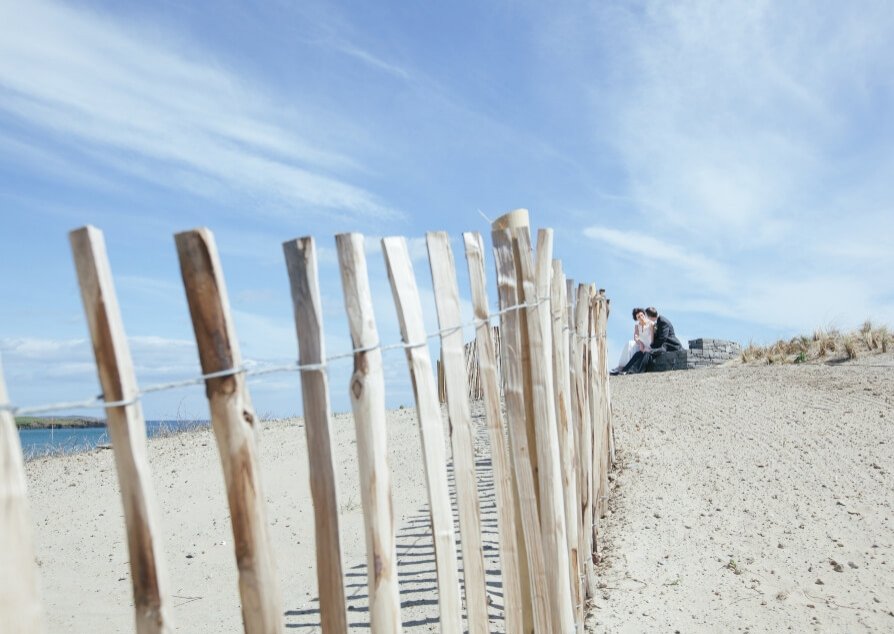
[(607, 383), (552, 509), (562, 392), (431, 429), (20, 609), (233, 421), (585, 433), (595, 414), (516, 415), (517, 220), (462, 434), (593, 396), (367, 392), (604, 402), (127, 430), (571, 353), (301, 262), (515, 603)]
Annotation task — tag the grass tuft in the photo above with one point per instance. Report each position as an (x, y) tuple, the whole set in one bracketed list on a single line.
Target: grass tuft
[(828, 343)]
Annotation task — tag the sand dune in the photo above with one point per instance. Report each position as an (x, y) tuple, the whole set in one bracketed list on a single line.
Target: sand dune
[(753, 498)]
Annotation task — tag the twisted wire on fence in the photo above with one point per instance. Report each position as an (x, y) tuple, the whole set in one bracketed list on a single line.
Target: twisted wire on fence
[(99, 401)]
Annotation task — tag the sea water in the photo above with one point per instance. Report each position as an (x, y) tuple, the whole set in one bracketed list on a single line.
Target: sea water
[(56, 440)]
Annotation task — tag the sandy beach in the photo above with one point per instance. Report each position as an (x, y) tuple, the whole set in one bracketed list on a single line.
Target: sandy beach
[(747, 498), (752, 498), (79, 531)]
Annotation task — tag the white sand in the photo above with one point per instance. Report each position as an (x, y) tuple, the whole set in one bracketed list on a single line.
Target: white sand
[(752, 498), (738, 487), (79, 532)]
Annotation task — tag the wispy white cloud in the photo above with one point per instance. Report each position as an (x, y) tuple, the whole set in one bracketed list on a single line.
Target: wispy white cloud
[(636, 246), (156, 109), (754, 148), (372, 60)]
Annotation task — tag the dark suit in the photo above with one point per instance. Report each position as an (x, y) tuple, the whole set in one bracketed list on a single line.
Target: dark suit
[(663, 340)]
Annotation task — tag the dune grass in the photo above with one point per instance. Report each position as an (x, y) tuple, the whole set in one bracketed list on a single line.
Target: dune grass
[(825, 344)]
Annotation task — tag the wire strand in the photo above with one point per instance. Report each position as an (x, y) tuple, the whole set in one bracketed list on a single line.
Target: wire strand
[(100, 402)]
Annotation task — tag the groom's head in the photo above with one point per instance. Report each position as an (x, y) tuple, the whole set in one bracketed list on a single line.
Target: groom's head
[(652, 312)]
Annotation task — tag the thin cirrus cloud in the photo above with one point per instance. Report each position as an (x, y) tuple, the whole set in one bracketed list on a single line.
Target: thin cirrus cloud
[(150, 109), (636, 246), (748, 117)]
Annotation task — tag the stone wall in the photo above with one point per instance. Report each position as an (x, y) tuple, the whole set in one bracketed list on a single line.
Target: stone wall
[(705, 353)]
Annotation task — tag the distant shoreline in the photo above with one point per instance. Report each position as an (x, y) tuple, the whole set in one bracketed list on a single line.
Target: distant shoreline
[(71, 422)]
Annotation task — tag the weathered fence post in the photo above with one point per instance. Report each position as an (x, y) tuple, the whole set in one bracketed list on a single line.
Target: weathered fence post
[(562, 391), (233, 421), (431, 429), (127, 430), (301, 262), (552, 512), (516, 416), (462, 435), (585, 434), (367, 391), (599, 303), (515, 602), (517, 220), (20, 609)]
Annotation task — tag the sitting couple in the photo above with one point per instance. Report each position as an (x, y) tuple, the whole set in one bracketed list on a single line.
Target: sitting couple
[(652, 335)]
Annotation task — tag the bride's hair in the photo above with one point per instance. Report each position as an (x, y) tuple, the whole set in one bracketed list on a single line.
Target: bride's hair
[(637, 311)]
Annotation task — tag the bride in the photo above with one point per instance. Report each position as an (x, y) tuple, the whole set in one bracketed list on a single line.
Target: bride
[(642, 337)]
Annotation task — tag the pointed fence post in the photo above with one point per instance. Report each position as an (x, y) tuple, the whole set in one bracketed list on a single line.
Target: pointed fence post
[(462, 434), (301, 262), (585, 434), (367, 391), (233, 421), (127, 430), (552, 511), (20, 608), (515, 602), (518, 220), (431, 429), (516, 414), (602, 390), (562, 391)]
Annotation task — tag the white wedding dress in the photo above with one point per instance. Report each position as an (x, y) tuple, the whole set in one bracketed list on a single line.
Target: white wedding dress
[(640, 333)]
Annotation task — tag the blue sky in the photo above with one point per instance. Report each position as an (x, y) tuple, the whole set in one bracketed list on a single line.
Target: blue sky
[(731, 163)]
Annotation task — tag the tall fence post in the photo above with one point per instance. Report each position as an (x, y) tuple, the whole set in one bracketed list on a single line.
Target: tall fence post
[(585, 433), (515, 602), (301, 263), (367, 392), (233, 421), (19, 581), (516, 416), (431, 429), (602, 426), (462, 435), (565, 426), (127, 430), (518, 220), (552, 512)]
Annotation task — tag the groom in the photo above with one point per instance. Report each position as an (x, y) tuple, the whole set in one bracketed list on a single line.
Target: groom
[(663, 340)]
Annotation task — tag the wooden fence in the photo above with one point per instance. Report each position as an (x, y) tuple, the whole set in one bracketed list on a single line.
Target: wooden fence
[(542, 377)]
